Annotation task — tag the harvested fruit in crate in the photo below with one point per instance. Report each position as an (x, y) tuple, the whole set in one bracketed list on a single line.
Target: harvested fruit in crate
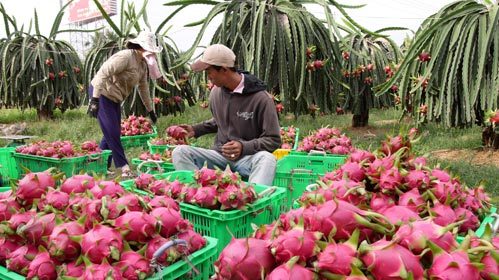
[(136, 125), (212, 189), (288, 136), (326, 139), (166, 156), (59, 149), (56, 223)]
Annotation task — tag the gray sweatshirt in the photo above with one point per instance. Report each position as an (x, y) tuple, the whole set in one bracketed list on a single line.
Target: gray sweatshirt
[(249, 117)]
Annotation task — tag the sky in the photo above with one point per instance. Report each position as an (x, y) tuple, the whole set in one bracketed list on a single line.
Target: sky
[(375, 15)]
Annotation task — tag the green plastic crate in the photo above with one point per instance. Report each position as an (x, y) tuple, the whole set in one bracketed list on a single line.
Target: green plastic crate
[(96, 163), (225, 224), (8, 169), (202, 260), (138, 140), (158, 149), (294, 172), (152, 166), (489, 219), (4, 189)]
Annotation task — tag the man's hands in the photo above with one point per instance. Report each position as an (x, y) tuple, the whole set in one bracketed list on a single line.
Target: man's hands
[(153, 117), (93, 107), (232, 150)]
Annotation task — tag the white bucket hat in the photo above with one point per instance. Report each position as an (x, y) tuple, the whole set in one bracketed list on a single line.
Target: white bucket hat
[(147, 40)]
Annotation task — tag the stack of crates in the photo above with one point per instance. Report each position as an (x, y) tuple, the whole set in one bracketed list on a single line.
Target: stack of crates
[(8, 169)]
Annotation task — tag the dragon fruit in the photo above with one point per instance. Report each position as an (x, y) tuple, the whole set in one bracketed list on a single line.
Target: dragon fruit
[(133, 266), (381, 201), (143, 181), (390, 179), (17, 220), (244, 259), (194, 240), (206, 197), (266, 232), (130, 202), (78, 184), (177, 132), (417, 179), (361, 156), (102, 271), (71, 269), (389, 260), (354, 171), (19, 260), (453, 265), (471, 221), (60, 244), (164, 201), (33, 186), (8, 206), (338, 258), (54, 199), (107, 188), (292, 271), (491, 267), (170, 256), (188, 194), (412, 200), (206, 176), (443, 214), (295, 242), (138, 227), (227, 178), (158, 187), (170, 221), (42, 267), (440, 175), (399, 214), (37, 230), (174, 189), (232, 197), (415, 236), (7, 247), (291, 218), (101, 243)]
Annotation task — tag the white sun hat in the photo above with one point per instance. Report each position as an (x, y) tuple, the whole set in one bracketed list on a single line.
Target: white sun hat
[(218, 55), (147, 40)]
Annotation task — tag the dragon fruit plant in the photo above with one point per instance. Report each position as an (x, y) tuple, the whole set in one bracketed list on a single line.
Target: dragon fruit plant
[(212, 189), (59, 149), (288, 136), (135, 125), (87, 228), (326, 139)]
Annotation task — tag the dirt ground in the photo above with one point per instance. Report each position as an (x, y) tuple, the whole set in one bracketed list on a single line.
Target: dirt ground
[(477, 156)]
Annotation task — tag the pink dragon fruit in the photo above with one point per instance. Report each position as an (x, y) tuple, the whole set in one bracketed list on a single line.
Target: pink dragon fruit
[(130, 202), (412, 200), (354, 171), (138, 227), (206, 197), (399, 214), (232, 197), (393, 144), (170, 256), (491, 267), (107, 188), (60, 244), (101, 243), (42, 267), (174, 189), (19, 260), (133, 266), (170, 221), (54, 199), (338, 258), (78, 184), (361, 156), (295, 242), (292, 271), (244, 259), (143, 181), (194, 240), (37, 230), (379, 165), (390, 179), (388, 260), (453, 265), (443, 214), (381, 201), (471, 221), (446, 191), (188, 194), (415, 236), (417, 179), (206, 176), (17, 220), (33, 186), (8, 206), (158, 187), (102, 271), (227, 178), (440, 175), (71, 269), (291, 218), (7, 247), (164, 201), (266, 232)]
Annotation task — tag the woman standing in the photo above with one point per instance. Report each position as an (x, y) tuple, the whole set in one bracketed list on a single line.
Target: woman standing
[(114, 81)]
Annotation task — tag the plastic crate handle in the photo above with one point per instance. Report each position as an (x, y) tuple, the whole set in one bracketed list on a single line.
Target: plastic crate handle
[(161, 250), (268, 191), (300, 170), (91, 157), (495, 225), (157, 162), (316, 153), (312, 187)]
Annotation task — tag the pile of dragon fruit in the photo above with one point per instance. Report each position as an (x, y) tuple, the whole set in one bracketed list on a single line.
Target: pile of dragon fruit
[(382, 215), (135, 125), (327, 139), (59, 149), (212, 189), (288, 135), (87, 229), (166, 156), (175, 135)]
